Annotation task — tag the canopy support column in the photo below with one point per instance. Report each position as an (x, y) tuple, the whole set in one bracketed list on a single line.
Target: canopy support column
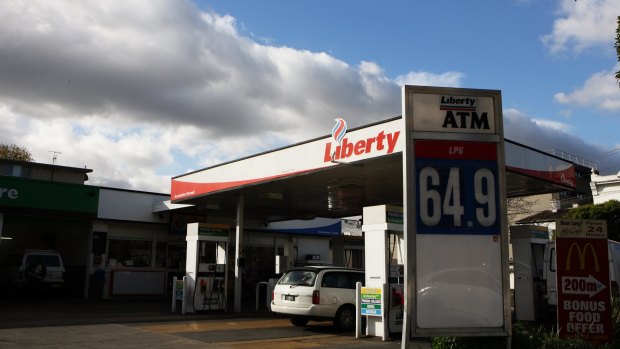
[(238, 254)]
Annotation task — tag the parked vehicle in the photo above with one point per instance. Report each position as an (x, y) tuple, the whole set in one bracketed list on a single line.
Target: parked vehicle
[(317, 293), (32, 270)]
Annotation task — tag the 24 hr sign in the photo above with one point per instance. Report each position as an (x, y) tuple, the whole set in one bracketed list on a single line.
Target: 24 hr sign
[(457, 187)]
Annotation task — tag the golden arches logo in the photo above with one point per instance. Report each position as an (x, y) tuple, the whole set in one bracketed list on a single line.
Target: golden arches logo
[(582, 256)]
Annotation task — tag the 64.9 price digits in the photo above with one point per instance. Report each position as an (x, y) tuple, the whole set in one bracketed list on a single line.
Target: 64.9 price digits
[(433, 207)]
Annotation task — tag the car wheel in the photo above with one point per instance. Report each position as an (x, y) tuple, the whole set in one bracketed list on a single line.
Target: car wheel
[(298, 321), (345, 318)]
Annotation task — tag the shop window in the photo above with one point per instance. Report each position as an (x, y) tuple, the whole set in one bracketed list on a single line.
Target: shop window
[(160, 254), (176, 255), (129, 253), (15, 170)]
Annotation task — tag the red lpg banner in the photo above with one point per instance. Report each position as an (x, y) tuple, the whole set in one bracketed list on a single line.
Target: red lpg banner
[(584, 295)]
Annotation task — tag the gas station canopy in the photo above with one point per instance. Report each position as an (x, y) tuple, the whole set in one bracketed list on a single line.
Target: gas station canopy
[(326, 178)]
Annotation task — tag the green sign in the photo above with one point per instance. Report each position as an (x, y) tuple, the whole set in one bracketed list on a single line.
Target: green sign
[(371, 301), (178, 289), (209, 229), (44, 195)]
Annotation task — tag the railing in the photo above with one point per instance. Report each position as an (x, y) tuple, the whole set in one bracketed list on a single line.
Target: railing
[(573, 158)]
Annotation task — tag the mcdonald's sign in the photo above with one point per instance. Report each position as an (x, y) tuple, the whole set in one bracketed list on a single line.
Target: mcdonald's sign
[(583, 283), (581, 252)]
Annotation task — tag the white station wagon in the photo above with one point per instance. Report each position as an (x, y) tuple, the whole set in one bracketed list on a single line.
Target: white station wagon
[(317, 293), (32, 271)]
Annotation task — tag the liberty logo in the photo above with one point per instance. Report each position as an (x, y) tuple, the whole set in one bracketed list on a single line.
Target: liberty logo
[(338, 133), (461, 112), (342, 147)]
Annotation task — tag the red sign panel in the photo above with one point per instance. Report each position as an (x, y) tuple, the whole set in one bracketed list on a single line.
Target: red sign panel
[(584, 296)]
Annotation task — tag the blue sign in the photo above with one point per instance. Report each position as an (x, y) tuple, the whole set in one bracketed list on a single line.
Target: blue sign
[(457, 188)]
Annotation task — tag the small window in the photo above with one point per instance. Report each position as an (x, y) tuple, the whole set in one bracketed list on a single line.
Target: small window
[(299, 278), (130, 253), (339, 280), (46, 260)]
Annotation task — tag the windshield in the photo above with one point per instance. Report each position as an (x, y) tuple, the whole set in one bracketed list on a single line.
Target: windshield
[(46, 260), (298, 277)]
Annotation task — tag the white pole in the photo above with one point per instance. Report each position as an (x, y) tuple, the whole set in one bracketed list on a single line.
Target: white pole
[(174, 294), (238, 241), (1, 225), (358, 310)]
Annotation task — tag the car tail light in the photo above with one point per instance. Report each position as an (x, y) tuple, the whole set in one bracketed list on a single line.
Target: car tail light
[(316, 297), (273, 295)]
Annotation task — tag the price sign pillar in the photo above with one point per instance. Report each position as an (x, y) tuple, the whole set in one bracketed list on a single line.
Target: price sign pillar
[(455, 227)]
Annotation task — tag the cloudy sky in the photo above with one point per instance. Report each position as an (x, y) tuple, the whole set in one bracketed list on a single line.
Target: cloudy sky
[(143, 90)]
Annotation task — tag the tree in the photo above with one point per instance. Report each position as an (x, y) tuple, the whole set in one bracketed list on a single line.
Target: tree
[(517, 208), (14, 152), (609, 211)]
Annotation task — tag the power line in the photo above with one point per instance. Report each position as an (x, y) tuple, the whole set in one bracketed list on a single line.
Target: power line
[(606, 154)]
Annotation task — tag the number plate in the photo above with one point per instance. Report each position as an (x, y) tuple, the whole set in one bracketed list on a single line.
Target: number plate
[(288, 297)]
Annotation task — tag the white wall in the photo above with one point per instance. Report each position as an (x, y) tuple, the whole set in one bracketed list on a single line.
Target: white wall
[(130, 206), (605, 188)]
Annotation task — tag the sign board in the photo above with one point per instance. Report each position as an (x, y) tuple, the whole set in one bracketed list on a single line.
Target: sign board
[(456, 225), (178, 289), (584, 295), (371, 298), (358, 144)]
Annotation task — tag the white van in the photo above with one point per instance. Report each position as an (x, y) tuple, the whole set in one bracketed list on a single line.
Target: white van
[(317, 293)]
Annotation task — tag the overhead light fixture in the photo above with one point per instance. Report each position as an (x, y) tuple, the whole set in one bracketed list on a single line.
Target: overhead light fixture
[(271, 196), (209, 206), (6, 238)]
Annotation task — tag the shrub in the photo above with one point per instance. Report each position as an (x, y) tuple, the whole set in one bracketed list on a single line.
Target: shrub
[(530, 336)]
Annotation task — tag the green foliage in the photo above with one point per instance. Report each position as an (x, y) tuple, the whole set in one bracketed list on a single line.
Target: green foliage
[(615, 322), (609, 211), (527, 335), (524, 336), (468, 342), (14, 152)]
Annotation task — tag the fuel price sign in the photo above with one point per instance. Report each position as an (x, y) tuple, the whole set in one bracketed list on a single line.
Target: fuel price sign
[(456, 224), (457, 187)]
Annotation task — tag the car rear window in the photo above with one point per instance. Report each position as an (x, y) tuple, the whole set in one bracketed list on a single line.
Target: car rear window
[(46, 260), (298, 277)]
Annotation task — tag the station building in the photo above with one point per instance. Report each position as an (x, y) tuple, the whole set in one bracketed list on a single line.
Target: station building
[(293, 214)]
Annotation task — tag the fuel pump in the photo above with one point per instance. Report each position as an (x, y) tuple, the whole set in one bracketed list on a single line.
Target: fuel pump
[(395, 307), (528, 249), (206, 266), (384, 253)]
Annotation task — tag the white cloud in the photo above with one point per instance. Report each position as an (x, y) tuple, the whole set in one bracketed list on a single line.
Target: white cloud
[(140, 91), (599, 91), (546, 134), (552, 124), (447, 79), (583, 24)]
